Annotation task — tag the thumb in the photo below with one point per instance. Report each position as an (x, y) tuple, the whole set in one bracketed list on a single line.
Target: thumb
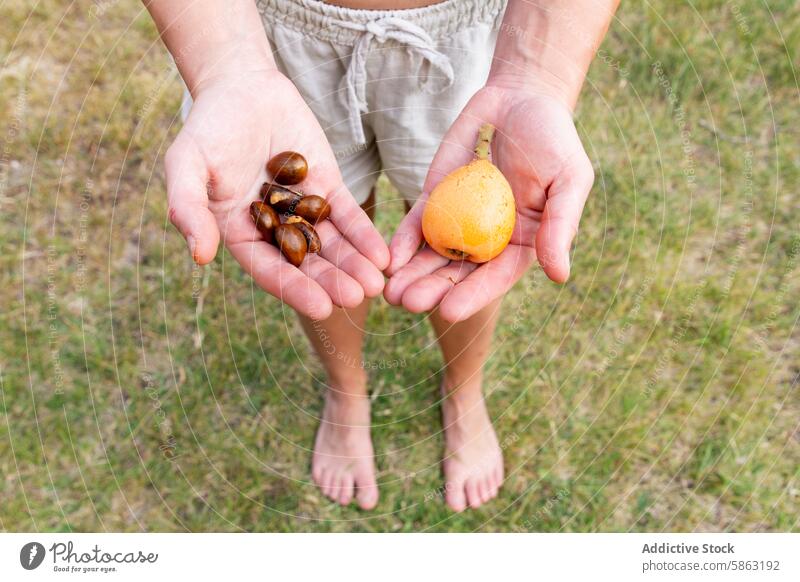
[(407, 238), (187, 195), (562, 214)]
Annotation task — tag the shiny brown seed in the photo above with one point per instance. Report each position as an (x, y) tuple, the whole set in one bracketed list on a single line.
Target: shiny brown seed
[(313, 208), (280, 198), (266, 219), (291, 242), (288, 168), (312, 238)]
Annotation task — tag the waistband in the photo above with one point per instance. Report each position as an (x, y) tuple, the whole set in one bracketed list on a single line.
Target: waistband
[(335, 23)]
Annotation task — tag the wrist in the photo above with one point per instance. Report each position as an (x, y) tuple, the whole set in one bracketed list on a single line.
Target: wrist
[(234, 64), (548, 47), (242, 77), (536, 83), (210, 39)]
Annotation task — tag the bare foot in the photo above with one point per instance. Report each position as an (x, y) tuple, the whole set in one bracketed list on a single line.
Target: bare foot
[(473, 461), (343, 463)]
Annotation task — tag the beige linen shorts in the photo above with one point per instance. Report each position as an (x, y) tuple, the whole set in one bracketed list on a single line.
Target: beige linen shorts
[(385, 85)]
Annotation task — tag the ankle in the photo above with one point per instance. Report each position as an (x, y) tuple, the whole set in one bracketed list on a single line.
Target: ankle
[(347, 411), (348, 393), (455, 379), (346, 399), (348, 383), (463, 390)]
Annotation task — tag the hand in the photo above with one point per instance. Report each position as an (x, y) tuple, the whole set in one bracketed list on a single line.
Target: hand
[(214, 171), (538, 150)]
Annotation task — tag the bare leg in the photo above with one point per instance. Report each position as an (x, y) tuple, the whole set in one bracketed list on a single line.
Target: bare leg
[(473, 462), (343, 464)]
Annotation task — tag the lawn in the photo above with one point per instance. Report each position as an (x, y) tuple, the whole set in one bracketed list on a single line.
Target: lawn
[(657, 390)]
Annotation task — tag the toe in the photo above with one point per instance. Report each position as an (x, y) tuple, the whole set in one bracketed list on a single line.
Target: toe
[(366, 491), (327, 482), (494, 488), (498, 475), (455, 497), (473, 494), (497, 478), (335, 488), (486, 490), (319, 478), (316, 475), (346, 489)]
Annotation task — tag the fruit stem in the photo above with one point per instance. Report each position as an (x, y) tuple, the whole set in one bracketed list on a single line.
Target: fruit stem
[(485, 135)]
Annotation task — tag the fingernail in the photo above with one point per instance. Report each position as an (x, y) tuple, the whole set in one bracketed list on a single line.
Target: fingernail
[(192, 247)]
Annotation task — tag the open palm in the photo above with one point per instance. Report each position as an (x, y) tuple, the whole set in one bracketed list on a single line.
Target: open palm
[(214, 171), (538, 149)]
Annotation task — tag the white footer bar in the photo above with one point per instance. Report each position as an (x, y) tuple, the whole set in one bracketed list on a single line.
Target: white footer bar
[(401, 557)]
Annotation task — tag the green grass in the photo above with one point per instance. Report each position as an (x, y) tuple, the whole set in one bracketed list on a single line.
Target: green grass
[(657, 390)]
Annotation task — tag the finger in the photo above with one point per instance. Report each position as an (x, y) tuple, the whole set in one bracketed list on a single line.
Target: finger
[(273, 274), (424, 263), (187, 195), (488, 282), (457, 147), (355, 225), (343, 290), (407, 238), (455, 150), (562, 213), (341, 253), (427, 292)]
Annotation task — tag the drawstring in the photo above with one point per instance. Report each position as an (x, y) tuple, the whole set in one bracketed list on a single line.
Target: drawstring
[(353, 85)]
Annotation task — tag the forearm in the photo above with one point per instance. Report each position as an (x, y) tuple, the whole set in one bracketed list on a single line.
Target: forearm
[(211, 38), (549, 45)]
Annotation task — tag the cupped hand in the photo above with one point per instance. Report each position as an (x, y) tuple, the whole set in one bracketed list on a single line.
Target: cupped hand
[(538, 150), (216, 166)]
